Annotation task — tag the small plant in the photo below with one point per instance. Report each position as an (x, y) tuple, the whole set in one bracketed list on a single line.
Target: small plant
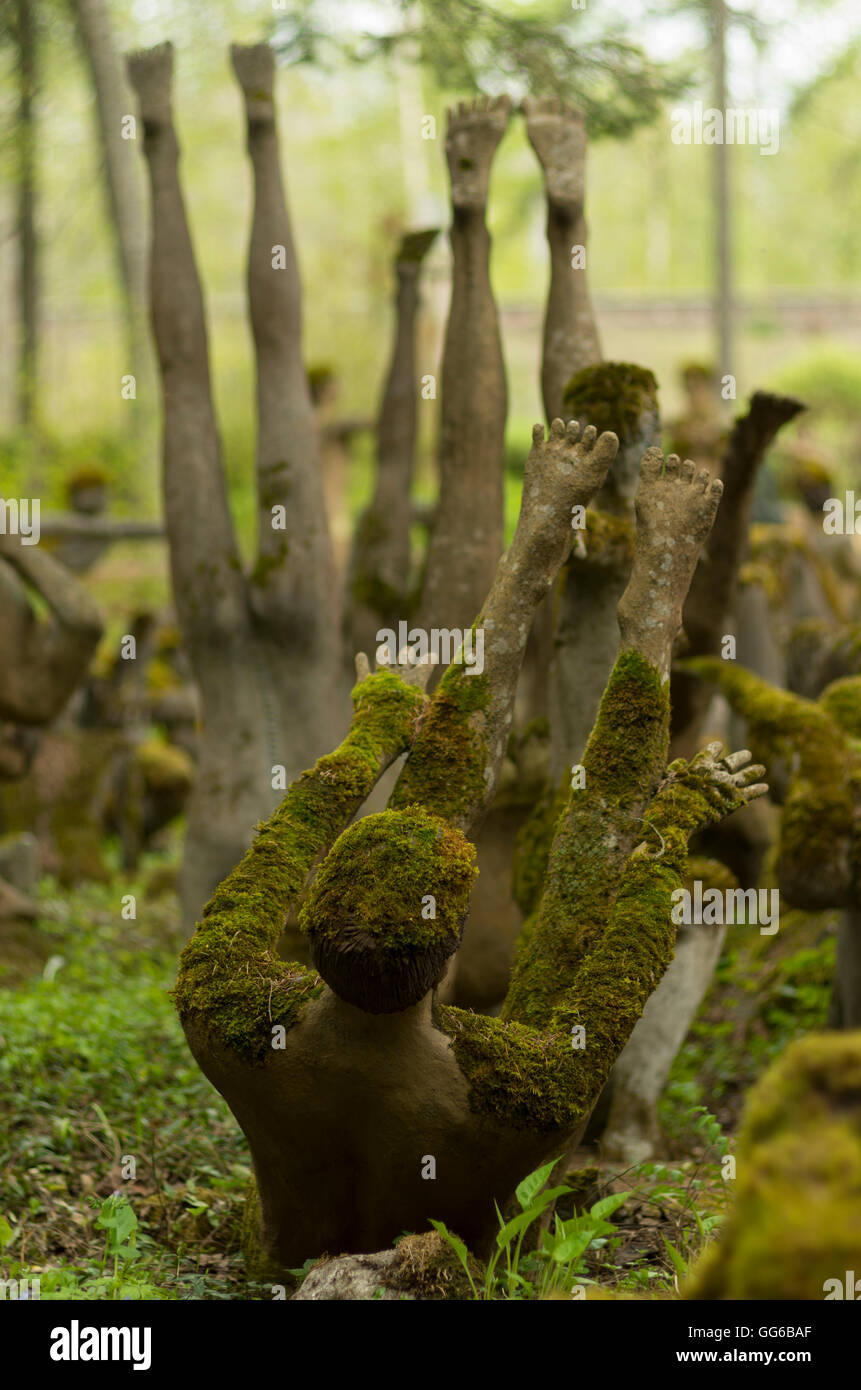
[(558, 1261)]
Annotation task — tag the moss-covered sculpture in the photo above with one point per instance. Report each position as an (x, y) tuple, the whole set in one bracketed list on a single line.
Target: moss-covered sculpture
[(816, 751), (365, 1118), (794, 1230)]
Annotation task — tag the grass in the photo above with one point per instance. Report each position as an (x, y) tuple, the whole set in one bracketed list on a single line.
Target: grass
[(99, 1095)]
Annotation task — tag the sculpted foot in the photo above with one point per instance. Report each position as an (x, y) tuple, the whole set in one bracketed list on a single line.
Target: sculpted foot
[(562, 471), (557, 133), (254, 66), (150, 72), (414, 247), (475, 129), (675, 508)]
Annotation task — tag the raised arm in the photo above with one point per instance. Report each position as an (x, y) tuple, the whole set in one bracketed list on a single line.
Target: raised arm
[(454, 765), (230, 982), (634, 949)]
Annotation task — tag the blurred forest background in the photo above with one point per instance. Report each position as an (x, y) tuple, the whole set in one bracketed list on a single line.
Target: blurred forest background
[(359, 172)]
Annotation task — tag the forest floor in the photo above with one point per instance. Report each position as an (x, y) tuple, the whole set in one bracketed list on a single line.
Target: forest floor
[(122, 1172)]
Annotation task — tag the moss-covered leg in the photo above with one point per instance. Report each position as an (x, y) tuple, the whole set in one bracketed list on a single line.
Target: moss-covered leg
[(454, 766), (231, 984)]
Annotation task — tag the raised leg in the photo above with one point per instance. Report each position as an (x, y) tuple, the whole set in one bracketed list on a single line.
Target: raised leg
[(207, 577), (380, 562), (557, 134), (293, 579), (467, 536)]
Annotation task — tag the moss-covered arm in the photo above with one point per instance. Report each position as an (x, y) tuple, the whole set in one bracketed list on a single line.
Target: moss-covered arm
[(454, 766), (541, 1078), (636, 946), (230, 980), (596, 832), (819, 862)]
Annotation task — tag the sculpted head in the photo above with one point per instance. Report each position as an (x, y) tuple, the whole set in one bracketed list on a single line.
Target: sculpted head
[(388, 908)]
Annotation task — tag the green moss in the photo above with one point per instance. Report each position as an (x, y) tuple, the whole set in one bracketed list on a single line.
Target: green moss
[(266, 565), (259, 1265), (780, 724), (603, 935), (615, 396), (842, 701), (231, 983), (609, 540), (445, 771), (161, 676), (820, 807), (380, 870), (87, 476), (623, 761), (796, 1219), (532, 846), (163, 765)]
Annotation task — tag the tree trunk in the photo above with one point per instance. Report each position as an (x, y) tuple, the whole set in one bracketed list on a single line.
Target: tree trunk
[(125, 194)]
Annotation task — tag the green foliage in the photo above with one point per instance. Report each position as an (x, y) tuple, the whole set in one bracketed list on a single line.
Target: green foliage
[(557, 1262), (473, 46), (827, 378), (761, 999), (93, 1066), (42, 465)]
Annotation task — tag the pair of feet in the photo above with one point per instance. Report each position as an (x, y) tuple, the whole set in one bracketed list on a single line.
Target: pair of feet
[(557, 135)]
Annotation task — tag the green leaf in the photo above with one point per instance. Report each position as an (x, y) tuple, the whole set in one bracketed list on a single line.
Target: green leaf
[(569, 1249), (532, 1185), (456, 1244), (607, 1205), (678, 1262), (516, 1224), (118, 1219), (6, 1232)]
